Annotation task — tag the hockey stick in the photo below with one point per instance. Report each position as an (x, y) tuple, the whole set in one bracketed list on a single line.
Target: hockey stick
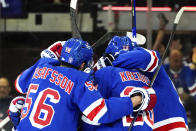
[(4, 122), (73, 15), (133, 13), (176, 21)]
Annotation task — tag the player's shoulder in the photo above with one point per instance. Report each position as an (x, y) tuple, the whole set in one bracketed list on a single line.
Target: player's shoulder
[(49, 61)]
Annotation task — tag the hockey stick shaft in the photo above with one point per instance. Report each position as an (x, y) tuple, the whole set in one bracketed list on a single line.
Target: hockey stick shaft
[(133, 3), (73, 15), (134, 36), (176, 21), (4, 122), (164, 55)]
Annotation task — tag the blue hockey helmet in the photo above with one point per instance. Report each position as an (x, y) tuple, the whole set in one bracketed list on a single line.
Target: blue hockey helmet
[(118, 44), (76, 51)]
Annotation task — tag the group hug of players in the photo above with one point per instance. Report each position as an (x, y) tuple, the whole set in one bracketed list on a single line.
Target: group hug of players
[(64, 91)]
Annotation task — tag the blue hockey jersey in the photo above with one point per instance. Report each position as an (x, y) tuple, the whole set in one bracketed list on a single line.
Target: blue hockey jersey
[(118, 82), (169, 113), (56, 96)]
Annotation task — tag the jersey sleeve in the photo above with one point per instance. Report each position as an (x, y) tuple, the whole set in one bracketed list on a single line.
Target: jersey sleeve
[(98, 109), (89, 125), (147, 60), (24, 79)]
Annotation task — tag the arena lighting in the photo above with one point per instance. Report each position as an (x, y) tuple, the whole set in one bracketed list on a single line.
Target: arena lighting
[(189, 8), (128, 8)]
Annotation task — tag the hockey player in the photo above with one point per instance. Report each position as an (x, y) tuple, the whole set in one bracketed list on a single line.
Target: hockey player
[(55, 95), (169, 113), (118, 82)]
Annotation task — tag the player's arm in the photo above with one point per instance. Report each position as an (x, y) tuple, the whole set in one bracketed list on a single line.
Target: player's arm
[(14, 111), (91, 125), (136, 98), (139, 58), (101, 110)]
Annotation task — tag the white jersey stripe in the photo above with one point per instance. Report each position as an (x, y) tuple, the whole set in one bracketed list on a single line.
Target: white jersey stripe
[(92, 106), (17, 86), (96, 110), (179, 129), (168, 121), (153, 59), (151, 91), (100, 114), (86, 120)]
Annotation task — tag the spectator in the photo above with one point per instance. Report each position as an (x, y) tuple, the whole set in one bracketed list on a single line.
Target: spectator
[(4, 102), (181, 75), (184, 80)]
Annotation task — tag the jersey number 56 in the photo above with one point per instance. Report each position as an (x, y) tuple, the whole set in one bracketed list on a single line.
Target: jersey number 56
[(42, 113)]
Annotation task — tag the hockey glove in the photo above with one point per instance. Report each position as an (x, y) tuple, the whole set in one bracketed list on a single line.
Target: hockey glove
[(54, 51), (14, 111), (148, 98), (104, 61)]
